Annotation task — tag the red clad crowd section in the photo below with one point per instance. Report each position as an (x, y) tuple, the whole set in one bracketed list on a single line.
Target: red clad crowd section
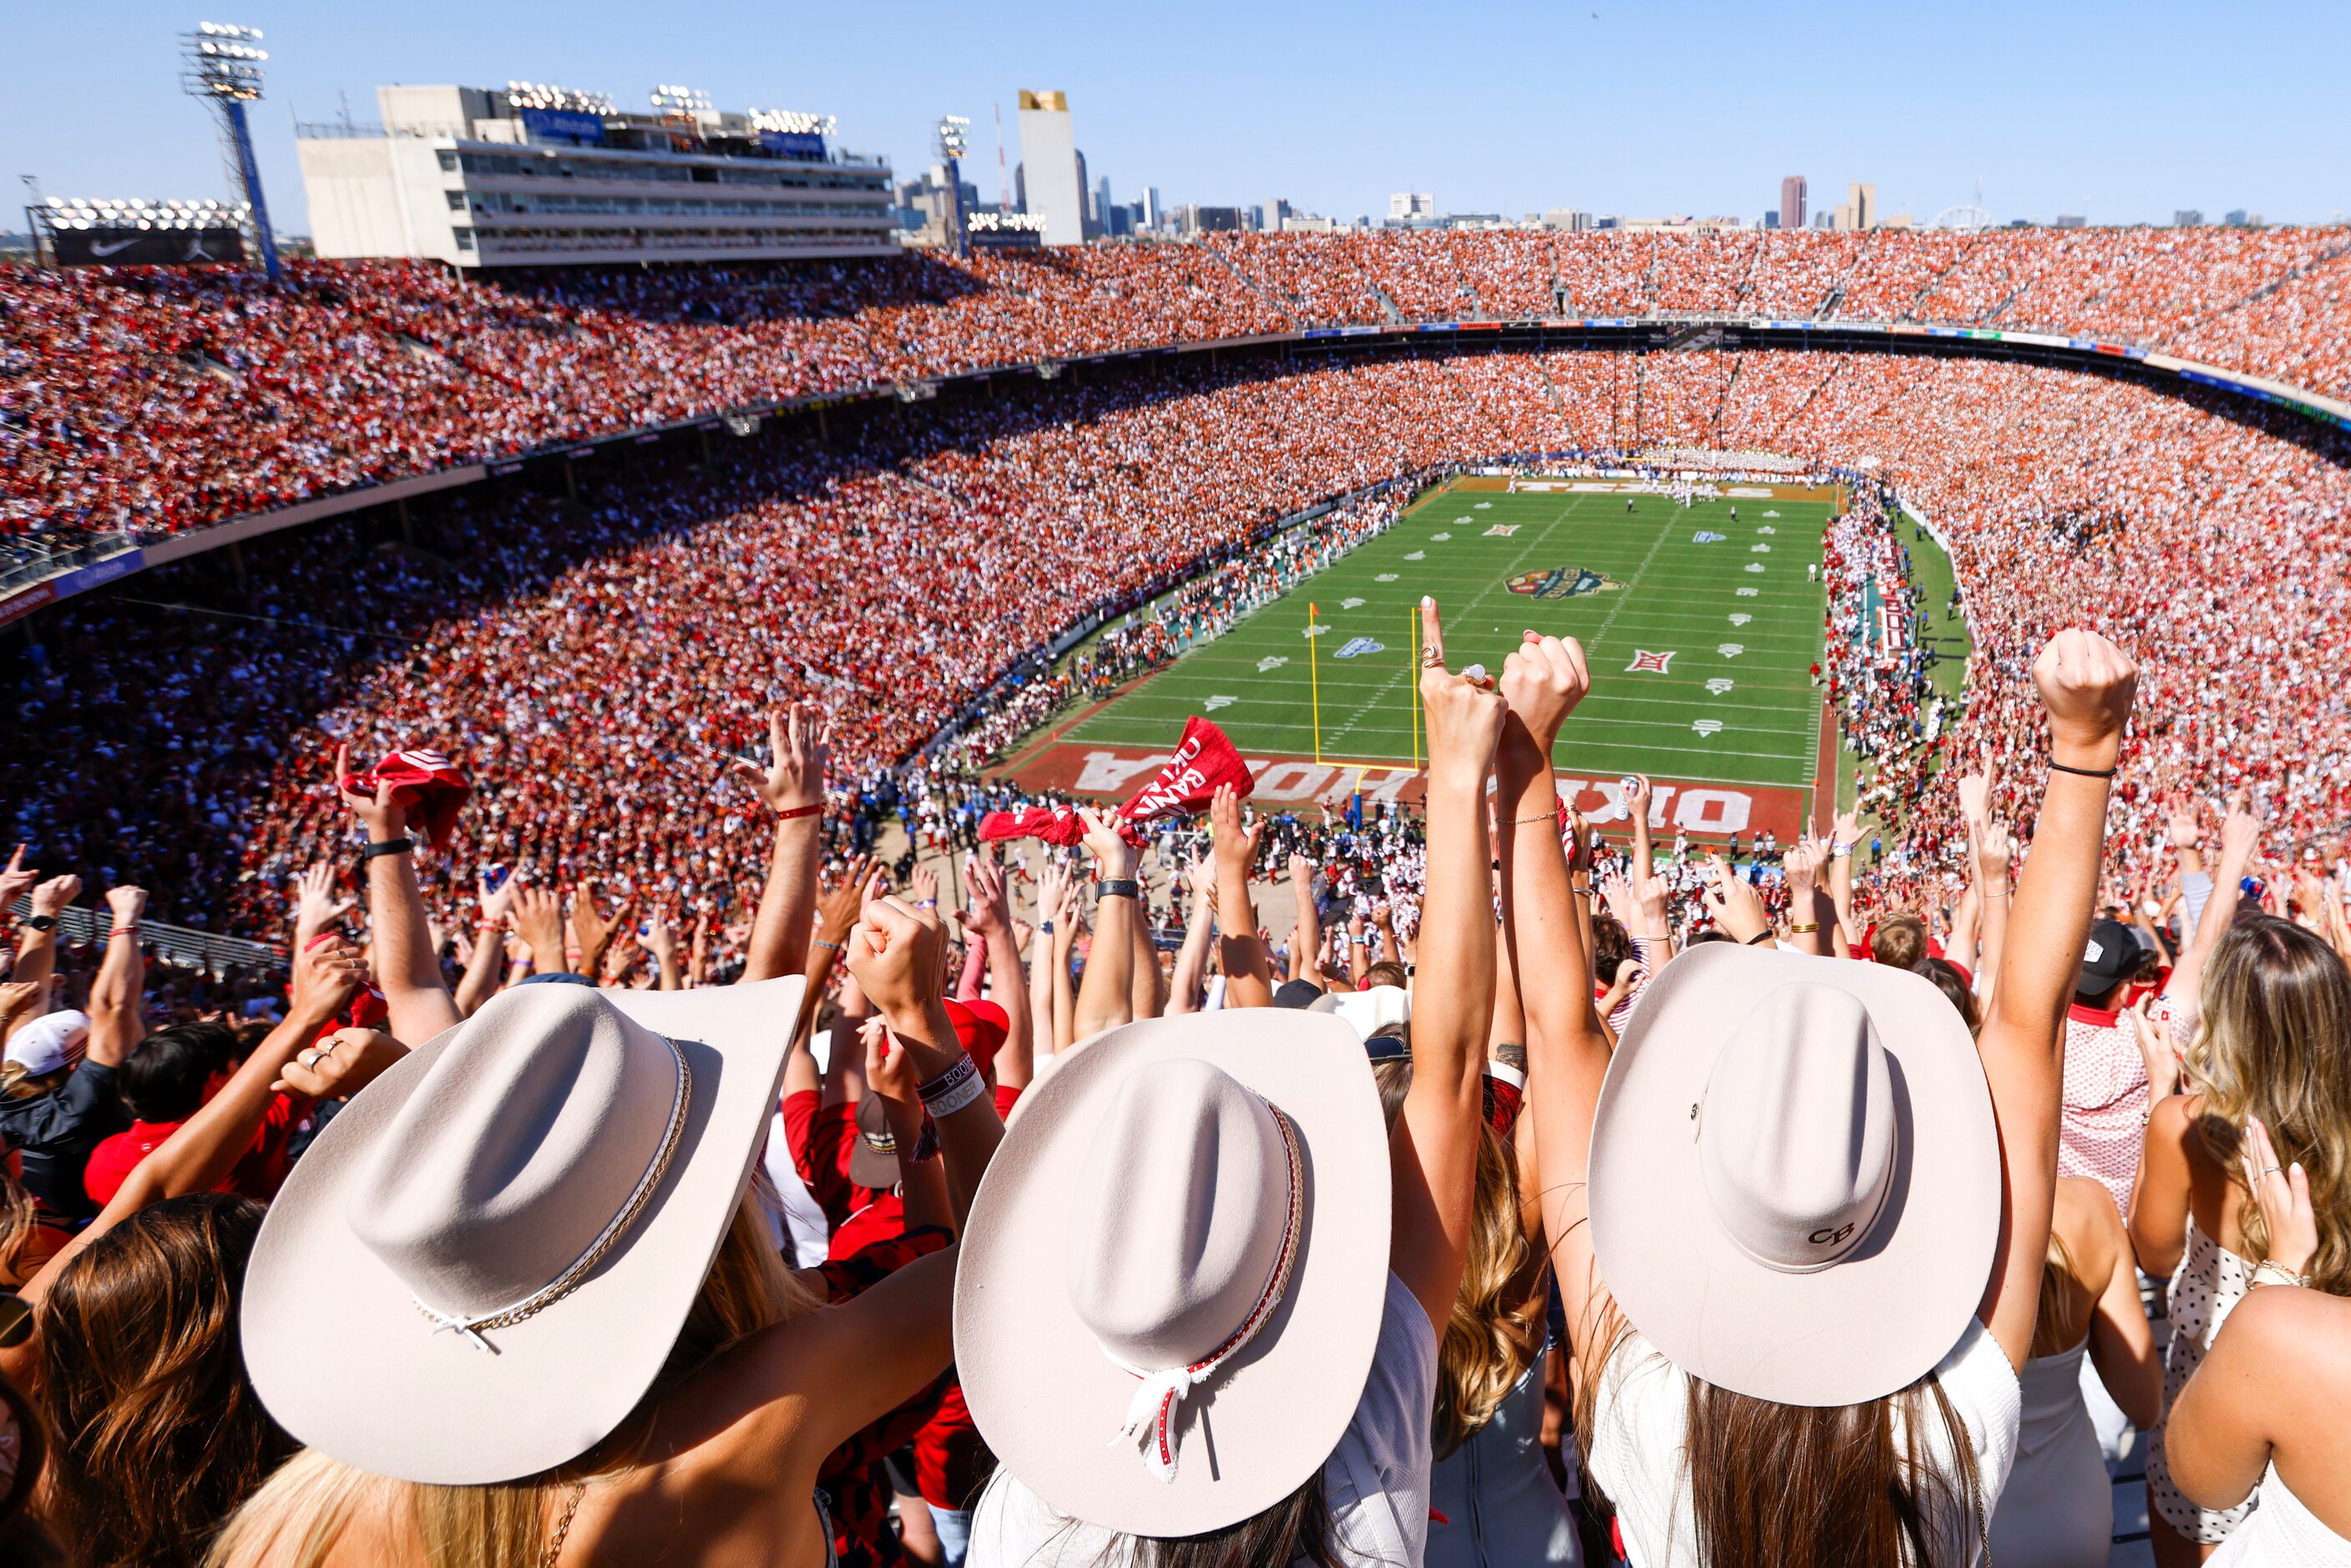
[(585, 660), (166, 400)]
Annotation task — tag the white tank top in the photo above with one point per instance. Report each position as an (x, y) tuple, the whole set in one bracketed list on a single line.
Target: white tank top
[(2282, 1533)]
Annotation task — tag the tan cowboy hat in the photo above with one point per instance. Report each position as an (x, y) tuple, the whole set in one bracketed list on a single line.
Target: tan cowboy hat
[(480, 1265), (1172, 1281), (1795, 1180)]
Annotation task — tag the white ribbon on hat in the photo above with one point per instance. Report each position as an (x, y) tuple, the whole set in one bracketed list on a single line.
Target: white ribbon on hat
[(1151, 1413)]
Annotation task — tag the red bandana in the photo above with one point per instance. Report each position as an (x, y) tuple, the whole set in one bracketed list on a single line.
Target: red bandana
[(1204, 759), (424, 782)]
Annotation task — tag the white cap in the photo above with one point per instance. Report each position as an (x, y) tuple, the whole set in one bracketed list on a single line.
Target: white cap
[(50, 1042)]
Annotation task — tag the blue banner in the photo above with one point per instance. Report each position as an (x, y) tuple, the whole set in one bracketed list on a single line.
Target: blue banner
[(804, 144), (563, 125)]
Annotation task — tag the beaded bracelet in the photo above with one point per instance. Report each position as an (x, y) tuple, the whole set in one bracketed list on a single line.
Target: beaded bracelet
[(2285, 1275), (828, 947)]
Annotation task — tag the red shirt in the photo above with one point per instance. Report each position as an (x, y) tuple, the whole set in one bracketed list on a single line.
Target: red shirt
[(258, 1174), (820, 1137)]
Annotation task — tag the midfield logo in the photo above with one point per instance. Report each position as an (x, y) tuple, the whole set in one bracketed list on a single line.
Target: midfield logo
[(1653, 663), (1563, 582)]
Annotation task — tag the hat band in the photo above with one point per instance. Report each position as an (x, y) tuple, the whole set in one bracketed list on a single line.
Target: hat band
[(1151, 1414), (469, 1325)]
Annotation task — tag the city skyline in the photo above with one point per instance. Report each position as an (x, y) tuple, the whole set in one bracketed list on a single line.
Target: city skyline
[(1209, 124)]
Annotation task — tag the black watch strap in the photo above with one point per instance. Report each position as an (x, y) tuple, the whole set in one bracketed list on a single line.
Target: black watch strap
[(387, 847), (1118, 887), (40, 923)]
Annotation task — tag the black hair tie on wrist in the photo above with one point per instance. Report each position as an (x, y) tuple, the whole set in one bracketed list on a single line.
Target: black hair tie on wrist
[(1762, 935), (2081, 772)]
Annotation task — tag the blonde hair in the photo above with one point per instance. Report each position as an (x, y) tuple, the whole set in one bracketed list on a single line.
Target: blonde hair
[(1492, 1338), (2275, 1043), (295, 1519)]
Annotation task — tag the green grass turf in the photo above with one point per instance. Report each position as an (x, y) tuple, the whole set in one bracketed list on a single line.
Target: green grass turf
[(1677, 596)]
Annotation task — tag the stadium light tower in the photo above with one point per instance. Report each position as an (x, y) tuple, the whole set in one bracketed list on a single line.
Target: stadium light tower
[(954, 139), (221, 63)]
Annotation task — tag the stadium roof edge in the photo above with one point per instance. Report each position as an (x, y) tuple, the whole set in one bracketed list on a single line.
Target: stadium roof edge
[(78, 573)]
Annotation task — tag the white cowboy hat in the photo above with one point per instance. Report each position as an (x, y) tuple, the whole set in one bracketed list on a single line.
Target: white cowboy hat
[(1183, 1238), (479, 1267), (1795, 1180)]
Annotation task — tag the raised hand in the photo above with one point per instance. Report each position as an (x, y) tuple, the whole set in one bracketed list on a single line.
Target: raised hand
[(126, 903), (591, 930), (1617, 893), (1848, 828), (1234, 846), (2155, 1049), (497, 903), (316, 905), (1975, 791), (837, 911), (340, 1066), (2241, 837), (1802, 864), (384, 818), (800, 744), (1736, 906), (660, 940), (1637, 799), (2180, 818), (2086, 687), (16, 878), (985, 909), (898, 954), (539, 922), (1113, 856), (1052, 890), (889, 1070), (1542, 680), (1993, 851), (1464, 712), (1200, 877), (2284, 1195), (56, 894), (326, 973)]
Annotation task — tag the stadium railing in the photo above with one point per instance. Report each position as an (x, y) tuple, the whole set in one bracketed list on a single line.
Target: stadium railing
[(182, 944)]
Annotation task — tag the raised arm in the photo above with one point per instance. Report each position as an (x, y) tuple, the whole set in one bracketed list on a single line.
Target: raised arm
[(1106, 998), (1433, 1149), (206, 1147), (1307, 963), (1192, 962), (1845, 837), (792, 785), (988, 920), (1248, 972), (2086, 686), (487, 968), (1992, 855), (2240, 837), (406, 967), (116, 1025), (1567, 1047), (36, 938)]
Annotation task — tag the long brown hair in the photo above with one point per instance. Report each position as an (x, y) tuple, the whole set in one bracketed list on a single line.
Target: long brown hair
[(297, 1517), (1850, 1486), (1492, 1338), (155, 1434), (2275, 1043)]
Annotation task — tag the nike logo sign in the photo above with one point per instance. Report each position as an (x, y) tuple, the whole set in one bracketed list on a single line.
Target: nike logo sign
[(103, 248)]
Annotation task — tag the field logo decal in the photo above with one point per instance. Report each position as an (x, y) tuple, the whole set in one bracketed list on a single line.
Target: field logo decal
[(1500, 531), (1358, 646), (1563, 582), (1653, 662), (1707, 537)]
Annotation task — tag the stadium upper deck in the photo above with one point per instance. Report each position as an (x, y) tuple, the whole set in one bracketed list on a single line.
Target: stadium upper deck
[(151, 401)]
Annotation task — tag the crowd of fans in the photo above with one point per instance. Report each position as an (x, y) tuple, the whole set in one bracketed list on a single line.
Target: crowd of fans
[(583, 660), (149, 399)]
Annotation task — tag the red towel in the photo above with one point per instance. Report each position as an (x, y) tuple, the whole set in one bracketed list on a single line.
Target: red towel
[(425, 783)]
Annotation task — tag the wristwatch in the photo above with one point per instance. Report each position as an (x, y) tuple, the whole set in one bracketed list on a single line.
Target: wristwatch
[(387, 847), (1118, 887), (40, 923)]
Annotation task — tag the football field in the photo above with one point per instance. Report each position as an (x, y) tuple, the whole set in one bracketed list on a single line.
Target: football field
[(1701, 629)]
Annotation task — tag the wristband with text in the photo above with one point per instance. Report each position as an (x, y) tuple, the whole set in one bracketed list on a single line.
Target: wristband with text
[(387, 847), (797, 812)]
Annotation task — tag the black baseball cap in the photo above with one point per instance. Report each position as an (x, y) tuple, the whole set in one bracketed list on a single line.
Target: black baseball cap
[(2111, 956)]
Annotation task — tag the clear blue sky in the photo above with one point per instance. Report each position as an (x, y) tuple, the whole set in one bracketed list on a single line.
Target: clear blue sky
[(2124, 112)]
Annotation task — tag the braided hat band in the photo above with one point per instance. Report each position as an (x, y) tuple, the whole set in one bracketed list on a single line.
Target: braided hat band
[(1151, 1414)]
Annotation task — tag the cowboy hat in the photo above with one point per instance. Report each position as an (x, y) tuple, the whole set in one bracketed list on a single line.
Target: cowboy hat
[(1184, 1237), (1795, 1180), (479, 1267)]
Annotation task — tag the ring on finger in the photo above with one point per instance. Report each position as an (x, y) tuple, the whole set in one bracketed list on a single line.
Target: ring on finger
[(2273, 1170), (309, 1059)]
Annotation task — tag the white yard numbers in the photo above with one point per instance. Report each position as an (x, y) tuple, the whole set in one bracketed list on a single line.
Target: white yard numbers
[(1707, 727), (1213, 704)]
